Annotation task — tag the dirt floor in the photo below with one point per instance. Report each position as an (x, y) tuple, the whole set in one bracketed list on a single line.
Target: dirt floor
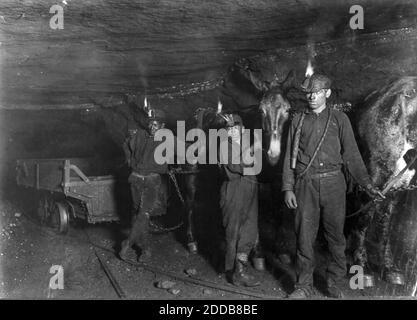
[(29, 250)]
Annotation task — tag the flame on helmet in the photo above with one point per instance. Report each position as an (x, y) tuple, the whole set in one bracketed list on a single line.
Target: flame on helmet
[(219, 107), (147, 107), (310, 69)]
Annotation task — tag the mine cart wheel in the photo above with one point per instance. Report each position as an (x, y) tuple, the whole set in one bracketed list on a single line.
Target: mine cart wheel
[(43, 210), (60, 217)]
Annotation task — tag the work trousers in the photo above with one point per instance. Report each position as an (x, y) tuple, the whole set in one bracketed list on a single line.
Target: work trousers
[(320, 198), (239, 205), (149, 199)]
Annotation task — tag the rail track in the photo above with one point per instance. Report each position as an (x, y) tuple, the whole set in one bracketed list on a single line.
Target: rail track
[(149, 267)]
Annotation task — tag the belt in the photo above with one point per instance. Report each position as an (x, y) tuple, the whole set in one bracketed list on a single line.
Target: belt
[(324, 174), (142, 175)]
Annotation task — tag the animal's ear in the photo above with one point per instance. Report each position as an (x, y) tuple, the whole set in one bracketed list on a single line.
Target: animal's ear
[(273, 83), (257, 83), (267, 85), (289, 81)]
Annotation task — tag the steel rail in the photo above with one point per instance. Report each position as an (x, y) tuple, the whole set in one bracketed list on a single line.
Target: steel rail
[(185, 279)]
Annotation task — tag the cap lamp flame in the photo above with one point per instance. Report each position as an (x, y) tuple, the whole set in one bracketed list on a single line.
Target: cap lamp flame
[(309, 70), (219, 107)]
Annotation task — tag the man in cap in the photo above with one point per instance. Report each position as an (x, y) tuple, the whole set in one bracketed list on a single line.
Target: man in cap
[(147, 189), (320, 142), (239, 205)]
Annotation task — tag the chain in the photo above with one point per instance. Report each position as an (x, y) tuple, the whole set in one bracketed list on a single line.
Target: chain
[(367, 206), (399, 189), (171, 174), (408, 188), (159, 228)]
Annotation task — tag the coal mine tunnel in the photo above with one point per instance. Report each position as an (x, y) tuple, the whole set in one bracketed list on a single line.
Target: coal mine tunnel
[(87, 213)]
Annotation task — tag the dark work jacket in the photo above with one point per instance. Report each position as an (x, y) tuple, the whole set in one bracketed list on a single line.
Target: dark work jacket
[(339, 147), (139, 150), (234, 169)]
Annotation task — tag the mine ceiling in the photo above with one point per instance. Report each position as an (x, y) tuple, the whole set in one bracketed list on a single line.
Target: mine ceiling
[(108, 48)]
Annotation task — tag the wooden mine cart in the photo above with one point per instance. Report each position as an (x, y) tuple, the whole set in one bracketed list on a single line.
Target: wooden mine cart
[(67, 192)]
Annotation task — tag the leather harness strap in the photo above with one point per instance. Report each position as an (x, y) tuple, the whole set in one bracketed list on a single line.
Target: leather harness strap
[(296, 143)]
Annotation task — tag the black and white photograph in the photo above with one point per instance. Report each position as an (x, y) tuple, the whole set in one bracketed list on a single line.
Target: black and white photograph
[(221, 152)]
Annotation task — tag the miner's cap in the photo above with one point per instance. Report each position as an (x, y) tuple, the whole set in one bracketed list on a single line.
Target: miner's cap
[(316, 82), (157, 115)]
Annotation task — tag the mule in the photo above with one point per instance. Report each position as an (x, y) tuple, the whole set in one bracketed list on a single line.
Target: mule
[(387, 127), (188, 174)]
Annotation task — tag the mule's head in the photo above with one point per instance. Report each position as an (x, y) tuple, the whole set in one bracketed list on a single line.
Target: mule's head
[(275, 114)]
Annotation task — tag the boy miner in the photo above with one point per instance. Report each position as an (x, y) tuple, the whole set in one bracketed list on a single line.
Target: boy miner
[(320, 141), (239, 206), (147, 189)]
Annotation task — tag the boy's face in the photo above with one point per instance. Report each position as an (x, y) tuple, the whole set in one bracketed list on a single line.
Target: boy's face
[(154, 126), (318, 99), (235, 132)]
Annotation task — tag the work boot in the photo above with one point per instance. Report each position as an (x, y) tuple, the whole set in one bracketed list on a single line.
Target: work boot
[(145, 255), (335, 292), (301, 293), (334, 289), (368, 276), (241, 276), (124, 248), (259, 263), (393, 275)]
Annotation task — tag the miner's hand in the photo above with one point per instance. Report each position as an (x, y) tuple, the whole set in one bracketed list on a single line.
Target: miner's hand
[(374, 192), (290, 199)]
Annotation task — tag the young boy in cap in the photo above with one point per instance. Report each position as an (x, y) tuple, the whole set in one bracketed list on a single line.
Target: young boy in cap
[(147, 189), (320, 141), (239, 205)]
